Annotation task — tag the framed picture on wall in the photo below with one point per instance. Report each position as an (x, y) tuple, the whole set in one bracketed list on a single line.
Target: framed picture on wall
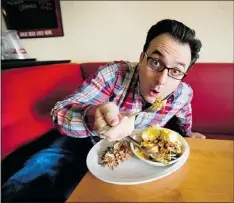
[(33, 18)]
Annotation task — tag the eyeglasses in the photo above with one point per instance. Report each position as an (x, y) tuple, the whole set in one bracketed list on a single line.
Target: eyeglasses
[(156, 65)]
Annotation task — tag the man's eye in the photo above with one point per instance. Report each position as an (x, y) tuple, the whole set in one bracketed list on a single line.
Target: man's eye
[(175, 72), (155, 63)]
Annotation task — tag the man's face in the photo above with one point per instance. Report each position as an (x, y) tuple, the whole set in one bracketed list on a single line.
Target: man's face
[(171, 54)]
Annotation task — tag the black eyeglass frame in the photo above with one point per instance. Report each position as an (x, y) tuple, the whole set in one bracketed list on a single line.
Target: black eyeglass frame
[(147, 59)]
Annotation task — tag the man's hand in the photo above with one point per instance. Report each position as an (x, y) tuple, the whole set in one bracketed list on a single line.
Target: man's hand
[(108, 114), (198, 135)]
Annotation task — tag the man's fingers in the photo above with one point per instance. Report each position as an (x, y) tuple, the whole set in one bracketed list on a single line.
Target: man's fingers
[(198, 135), (110, 112), (202, 136), (123, 129), (99, 120), (117, 132), (103, 136)]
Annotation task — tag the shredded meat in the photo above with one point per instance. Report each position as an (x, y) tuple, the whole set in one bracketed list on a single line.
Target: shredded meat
[(114, 155)]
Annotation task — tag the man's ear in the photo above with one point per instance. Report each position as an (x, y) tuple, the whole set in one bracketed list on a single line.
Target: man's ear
[(141, 57)]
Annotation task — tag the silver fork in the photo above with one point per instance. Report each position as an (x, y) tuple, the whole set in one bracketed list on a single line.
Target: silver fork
[(150, 109), (145, 149)]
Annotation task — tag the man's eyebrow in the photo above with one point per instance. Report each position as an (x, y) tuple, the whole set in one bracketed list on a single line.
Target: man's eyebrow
[(161, 54), (158, 53)]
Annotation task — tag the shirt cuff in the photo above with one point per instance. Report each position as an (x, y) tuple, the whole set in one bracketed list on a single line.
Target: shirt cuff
[(84, 118)]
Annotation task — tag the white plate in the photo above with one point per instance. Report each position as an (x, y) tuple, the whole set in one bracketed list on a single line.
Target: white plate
[(138, 138), (131, 172)]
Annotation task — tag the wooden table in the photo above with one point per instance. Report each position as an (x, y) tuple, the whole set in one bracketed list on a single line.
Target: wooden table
[(206, 176)]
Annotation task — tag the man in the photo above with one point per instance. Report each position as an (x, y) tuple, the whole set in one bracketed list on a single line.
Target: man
[(115, 91), (119, 89)]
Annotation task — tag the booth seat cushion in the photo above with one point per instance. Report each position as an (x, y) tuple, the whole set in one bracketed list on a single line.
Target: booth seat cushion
[(88, 69), (212, 105), (28, 95)]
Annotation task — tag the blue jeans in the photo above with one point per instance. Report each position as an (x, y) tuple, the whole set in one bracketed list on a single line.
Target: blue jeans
[(51, 174)]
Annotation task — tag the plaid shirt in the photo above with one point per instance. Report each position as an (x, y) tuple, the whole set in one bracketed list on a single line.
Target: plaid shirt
[(118, 82)]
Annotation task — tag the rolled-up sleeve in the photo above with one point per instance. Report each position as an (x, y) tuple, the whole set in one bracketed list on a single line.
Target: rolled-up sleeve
[(68, 115)]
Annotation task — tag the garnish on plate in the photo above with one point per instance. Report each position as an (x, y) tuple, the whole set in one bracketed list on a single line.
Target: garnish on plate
[(119, 152)]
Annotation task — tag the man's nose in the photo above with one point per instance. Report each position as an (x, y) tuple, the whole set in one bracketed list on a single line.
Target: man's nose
[(162, 77)]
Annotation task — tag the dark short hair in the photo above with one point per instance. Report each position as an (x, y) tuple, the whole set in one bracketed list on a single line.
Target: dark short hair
[(178, 31)]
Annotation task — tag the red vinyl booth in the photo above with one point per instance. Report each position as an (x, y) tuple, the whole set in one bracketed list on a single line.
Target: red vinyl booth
[(29, 94)]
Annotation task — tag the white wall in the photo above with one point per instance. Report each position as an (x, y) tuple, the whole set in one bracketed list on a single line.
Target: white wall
[(114, 30)]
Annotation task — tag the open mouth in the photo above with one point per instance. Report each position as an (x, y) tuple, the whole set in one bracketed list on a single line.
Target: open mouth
[(153, 92)]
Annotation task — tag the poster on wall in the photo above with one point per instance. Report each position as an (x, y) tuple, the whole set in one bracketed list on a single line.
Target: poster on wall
[(33, 18)]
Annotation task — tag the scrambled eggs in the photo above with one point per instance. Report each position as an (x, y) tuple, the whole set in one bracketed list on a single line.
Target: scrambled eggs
[(164, 142), (158, 103)]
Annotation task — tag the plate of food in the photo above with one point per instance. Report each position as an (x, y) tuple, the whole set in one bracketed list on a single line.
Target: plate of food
[(120, 163), (167, 145)]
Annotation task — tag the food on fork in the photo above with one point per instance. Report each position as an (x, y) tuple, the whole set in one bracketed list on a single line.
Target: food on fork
[(158, 103), (164, 142), (119, 152)]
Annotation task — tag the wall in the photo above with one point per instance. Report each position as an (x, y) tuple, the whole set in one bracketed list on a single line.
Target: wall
[(114, 30)]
